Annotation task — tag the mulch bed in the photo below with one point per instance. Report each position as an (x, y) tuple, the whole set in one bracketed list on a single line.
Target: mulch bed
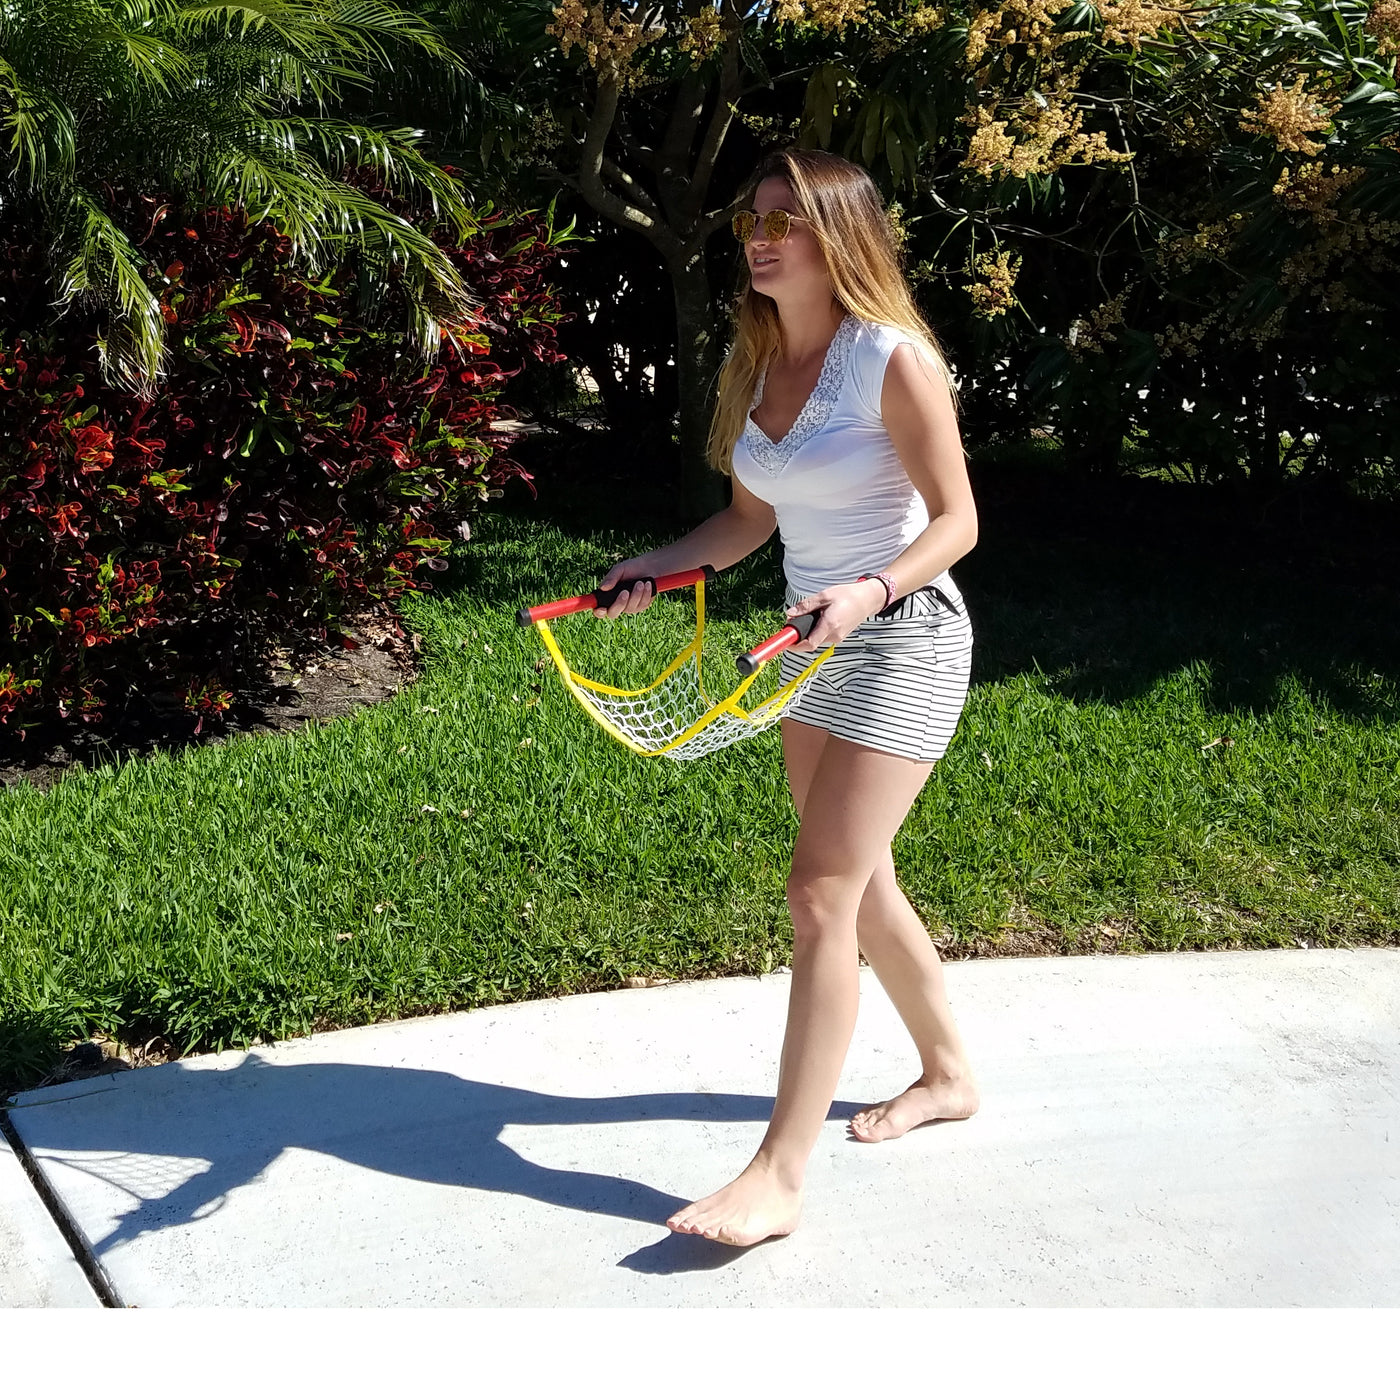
[(293, 681)]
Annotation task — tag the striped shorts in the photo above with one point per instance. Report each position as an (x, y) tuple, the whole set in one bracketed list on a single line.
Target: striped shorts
[(899, 681)]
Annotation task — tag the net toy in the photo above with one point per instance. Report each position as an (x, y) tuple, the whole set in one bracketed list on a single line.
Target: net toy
[(677, 715)]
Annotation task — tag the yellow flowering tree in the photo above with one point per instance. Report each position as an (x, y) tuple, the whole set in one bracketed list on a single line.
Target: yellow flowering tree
[(1239, 285), (647, 113), (1107, 208), (652, 113)]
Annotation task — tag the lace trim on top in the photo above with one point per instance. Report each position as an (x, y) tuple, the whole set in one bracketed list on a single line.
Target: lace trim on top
[(774, 456)]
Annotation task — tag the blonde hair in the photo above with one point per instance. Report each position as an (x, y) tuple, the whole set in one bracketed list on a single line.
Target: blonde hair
[(846, 214)]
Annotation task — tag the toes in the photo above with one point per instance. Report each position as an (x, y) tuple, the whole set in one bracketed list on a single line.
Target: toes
[(872, 1130), (867, 1125)]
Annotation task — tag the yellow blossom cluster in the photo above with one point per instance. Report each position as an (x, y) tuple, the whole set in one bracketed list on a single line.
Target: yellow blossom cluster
[(990, 147), (1025, 22), (541, 138), (926, 17), (832, 15), (1352, 239), (1291, 115), (1337, 296), (898, 228), (1312, 188), (837, 14), (704, 35), (1038, 133), (919, 273), (1130, 21), (1193, 135), (1207, 240), (772, 131), (1270, 328), (1091, 332), (995, 293), (1184, 338), (608, 40), (1384, 23), (1036, 139)]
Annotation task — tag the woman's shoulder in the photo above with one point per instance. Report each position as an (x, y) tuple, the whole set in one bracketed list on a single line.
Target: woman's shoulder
[(885, 338), (874, 343)]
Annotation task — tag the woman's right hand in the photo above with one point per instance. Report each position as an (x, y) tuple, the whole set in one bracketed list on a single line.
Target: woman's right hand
[(630, 600)]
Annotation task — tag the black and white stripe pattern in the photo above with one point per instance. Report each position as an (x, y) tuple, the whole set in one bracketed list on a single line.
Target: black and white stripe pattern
[(899, 681)]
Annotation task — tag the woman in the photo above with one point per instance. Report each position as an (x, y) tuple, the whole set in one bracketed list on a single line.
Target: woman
[(836, 421)]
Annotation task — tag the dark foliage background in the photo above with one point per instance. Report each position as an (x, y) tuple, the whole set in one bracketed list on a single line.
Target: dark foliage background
[(1164, 234)]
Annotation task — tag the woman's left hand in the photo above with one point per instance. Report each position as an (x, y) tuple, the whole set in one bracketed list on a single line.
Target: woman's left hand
[(842, 609)]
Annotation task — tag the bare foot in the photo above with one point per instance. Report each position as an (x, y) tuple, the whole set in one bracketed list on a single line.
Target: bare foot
[(751, 1208), (924, 1101)]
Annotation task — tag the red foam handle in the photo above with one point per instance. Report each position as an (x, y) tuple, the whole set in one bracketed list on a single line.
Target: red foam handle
[(562, 607), (800, 627)]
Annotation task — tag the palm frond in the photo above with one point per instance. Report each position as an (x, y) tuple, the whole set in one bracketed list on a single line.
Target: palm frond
[(238, 101), (393, 154), (40, 130), (107, 267)]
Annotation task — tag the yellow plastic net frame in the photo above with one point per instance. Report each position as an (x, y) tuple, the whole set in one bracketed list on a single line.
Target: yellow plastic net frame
[(674, 715)]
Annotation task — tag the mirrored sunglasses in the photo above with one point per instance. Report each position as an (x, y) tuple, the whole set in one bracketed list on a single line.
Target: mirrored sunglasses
[(776, 223)]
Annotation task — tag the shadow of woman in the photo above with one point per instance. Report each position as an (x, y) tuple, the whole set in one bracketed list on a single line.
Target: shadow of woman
[(213, 1131)]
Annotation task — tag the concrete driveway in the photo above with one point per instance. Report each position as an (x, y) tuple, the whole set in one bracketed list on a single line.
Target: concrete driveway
[(1214, 1129)]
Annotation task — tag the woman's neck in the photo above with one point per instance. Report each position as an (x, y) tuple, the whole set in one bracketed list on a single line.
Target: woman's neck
[(808, 327)]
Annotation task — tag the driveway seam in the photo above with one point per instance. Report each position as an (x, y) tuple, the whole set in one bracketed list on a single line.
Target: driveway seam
[(96, 1276)]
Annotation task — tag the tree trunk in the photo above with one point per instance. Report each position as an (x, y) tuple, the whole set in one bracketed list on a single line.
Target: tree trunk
[(698, 358)]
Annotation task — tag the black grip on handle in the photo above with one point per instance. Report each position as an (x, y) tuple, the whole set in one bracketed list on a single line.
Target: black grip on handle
[(606, 597), (803, 623)]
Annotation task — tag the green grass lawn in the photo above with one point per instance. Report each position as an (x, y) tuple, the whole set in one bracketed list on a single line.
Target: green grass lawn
[(1163, 749)]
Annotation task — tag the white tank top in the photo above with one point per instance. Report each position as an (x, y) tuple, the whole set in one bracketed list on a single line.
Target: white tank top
[(845, 504)]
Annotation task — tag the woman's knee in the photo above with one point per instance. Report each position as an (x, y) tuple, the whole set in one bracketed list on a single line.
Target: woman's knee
[(816, 898)]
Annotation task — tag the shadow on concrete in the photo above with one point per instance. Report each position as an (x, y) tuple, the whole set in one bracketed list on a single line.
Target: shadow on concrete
[(425, 1125)]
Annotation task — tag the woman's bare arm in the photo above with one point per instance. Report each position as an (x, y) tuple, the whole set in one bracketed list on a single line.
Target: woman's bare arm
[(917, 407), (725, 538)]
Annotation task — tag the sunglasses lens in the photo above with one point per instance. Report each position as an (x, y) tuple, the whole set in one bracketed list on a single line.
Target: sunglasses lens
[(744, 225), (776, 224)]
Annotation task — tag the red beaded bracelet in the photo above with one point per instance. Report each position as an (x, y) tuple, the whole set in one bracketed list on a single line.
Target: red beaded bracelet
[(888, 580)]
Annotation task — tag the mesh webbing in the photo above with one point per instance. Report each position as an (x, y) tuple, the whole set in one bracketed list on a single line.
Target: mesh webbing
[(675, 715)]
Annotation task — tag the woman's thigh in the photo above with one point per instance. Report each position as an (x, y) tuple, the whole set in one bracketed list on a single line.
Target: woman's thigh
[(856, 799), (802, 751)]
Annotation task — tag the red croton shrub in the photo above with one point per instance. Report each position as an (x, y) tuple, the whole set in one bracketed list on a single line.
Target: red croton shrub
[(294, 462)]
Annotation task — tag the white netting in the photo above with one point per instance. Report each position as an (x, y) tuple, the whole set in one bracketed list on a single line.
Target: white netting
[(659, 717), (675, 716)]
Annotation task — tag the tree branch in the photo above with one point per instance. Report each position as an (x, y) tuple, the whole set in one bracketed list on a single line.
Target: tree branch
[(631, 189), (720, 121), (644, 155), (673, 156), (590, 176), (804, 71), (712, 223)]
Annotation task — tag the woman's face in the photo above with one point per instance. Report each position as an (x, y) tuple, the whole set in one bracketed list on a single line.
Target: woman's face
[(794, 266)]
